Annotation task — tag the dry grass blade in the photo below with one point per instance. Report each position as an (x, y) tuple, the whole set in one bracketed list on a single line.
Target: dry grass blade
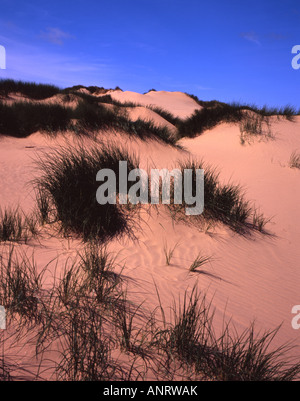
[(199, 261), (295, 160)]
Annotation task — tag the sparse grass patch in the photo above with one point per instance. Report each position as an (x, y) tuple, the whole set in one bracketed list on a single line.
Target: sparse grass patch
[(20, 285), (254, 125), (250, 356), (101, 278), (228, 356), (91, 301), (86, 333), (259, 221), (11, 225), (86, 353), (16, 226), (43, 207), (4, 371), (169, 252), (294, 161), (71, 286)]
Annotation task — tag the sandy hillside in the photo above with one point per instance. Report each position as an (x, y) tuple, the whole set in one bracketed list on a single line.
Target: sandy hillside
[(252, 277), (177, 103)]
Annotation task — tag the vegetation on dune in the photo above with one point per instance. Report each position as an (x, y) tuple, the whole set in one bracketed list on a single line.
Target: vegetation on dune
[(69, 185), (107, 99), (86, 315), (66, 192), (294, 161), (228, 356), (207, 118), (31, 90), (93, 116), (21, 119), (222, 202), (250, 119), (16, 226), (215, 112), (166, 115), (287, 111)]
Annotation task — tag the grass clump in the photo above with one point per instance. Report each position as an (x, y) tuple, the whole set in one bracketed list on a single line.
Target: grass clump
[(208, 118), (254, 125), (15, 226), (199, 261), (165, 114), (259, 221), (30, 89), (69, 183), (21, 119), (101, 277), (86, 353), (94, 116), (214, 112), (20, 285), (224, 203)]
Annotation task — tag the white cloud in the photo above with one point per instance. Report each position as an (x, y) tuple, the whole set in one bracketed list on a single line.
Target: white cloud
[(251, 37), (56, 36)]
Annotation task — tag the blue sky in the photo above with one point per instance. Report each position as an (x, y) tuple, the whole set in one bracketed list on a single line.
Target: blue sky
[(225, 50)]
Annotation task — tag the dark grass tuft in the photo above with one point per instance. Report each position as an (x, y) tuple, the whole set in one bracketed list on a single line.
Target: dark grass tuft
[(93, 116), (165, 114), (224, 203), (20, 285), (208, 118), (69, 182), (30, 89), (22, 118), (215, 112), (15, 226)]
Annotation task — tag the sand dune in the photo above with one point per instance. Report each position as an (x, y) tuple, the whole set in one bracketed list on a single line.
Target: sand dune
[(253, 277), (178, 103)]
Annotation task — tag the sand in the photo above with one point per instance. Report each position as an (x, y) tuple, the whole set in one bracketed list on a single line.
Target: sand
[(248, 278)]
